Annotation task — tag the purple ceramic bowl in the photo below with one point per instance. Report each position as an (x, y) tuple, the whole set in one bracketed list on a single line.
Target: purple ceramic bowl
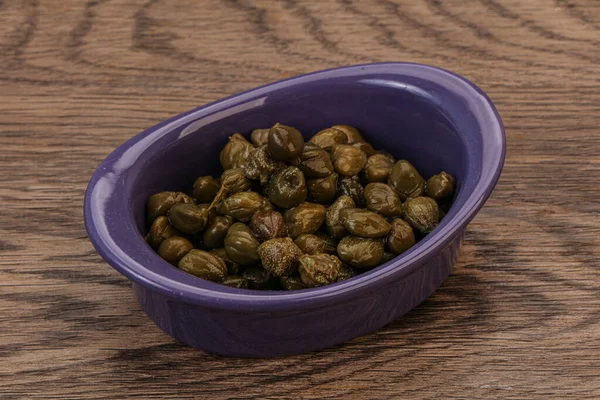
[(432, 117)]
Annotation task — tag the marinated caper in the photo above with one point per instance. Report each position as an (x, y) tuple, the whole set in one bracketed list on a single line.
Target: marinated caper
[(305, 218), (203, 265), (364, 223), (160, 203), (312, 244), (360, 252), (422, 213), (401, 237), (260, 165), (215, 232), (235, 281), (319, 269), (188, 218), (241, 206), (293, 282), (279, 256), (332, 217), (365, 147), (234, 180), (440, 187), (322, 190), (287, 188), (205, 189), (232, 268), (284, 142), (346, 273), (347, 159), (259, 279), (260, 137), (381, 198), (241, 245), (174, 248), (405, 180), (351, 186), (327, 138), (378, 168), (160, 230), (235, 152), (267, 225), (351, 132), (314, 162)]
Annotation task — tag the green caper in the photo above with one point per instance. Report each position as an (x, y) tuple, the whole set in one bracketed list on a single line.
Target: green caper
[(267, 224), (235, 281), (235, 152), (347, 159), (285, 142), (241, 206), (259, 279), (204, 265), (422, 213), (260, 137), (405, 180), (327, 138), (279, 256), (212, 213), (312, 244), (401, 237), (351, 132), (205, 189), (364, 223), (346, 273), (232, 268), (319, 269), (287, 188), (332, 217), (365, 147), (293, 282), (215, 232), (378, 168), (322, 190), (160, 203), (304, 218), (314, 162), (188, 218), (160, 230), (381, 198), (440, 187), (351, 186), (174, 248), (360, 252), (241, 245), (260, 165), (234, 180)]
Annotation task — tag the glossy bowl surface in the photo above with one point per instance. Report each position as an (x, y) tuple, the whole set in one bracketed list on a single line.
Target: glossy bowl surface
[(432, 117)]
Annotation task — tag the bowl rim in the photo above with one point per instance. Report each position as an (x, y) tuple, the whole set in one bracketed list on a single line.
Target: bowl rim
[(222, 297)]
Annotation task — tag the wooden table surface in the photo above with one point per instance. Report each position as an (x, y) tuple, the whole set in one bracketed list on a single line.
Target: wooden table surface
[(518, 318)]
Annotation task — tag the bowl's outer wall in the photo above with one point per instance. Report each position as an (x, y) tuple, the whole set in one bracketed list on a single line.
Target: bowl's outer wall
[(242, 334)]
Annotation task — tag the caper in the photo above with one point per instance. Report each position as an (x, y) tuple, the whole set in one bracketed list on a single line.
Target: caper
[(381, 198), (330, 242), (232, 268), (241, 206), (405, 180), (287, 188), (293, 282), (332, 217), (260, 165), (314, 162), (327, 138), (312, 244), (160, 203), (360, 252), (212, 213), (351, 132), (205, 189), (234, 180), (267, 225), (364, 223), (279, 256), (174, 248), (351, 186), (347, 159), (160, 230), (215, 232), (305, 218), (322, 190), (235, 281), (365, 147), (346, 273), (241, 245), (259, 137), (285, 142), (440, 186), (401, 237), (421, 213), (259, 279), (204, 265), (188, 218), (235, 152), (378, 168), (319, 269)]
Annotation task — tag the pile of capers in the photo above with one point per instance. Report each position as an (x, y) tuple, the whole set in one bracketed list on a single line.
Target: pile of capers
[(288, 214)]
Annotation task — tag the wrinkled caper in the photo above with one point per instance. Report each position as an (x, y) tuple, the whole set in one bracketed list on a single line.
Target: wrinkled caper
[(322, 190), (234, 180), (360, 252), (188, 218), (160, 230), (232, 268), (365, 147), (235, 152), (347, 159), (380, 197), (332, 217), (241, 206), (205, 189), (422, 213), (364, 223), (260, 137), (319, 269), (215, 232), (351, 132), (440, 186), (405, 180), (267, 225), (287, 188), (160, 203), (284, 142), (241, 245), (260, 165), (259, 279), (304, 218), (313, 244), (279, 256), (235, 281), (327, 138), (351, 186), (401, 237), (174, 248), (203, 265), (314, 162), (293, 282), (378, 168)]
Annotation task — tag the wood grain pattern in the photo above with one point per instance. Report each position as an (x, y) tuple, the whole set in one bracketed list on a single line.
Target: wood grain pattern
[(519, 317)]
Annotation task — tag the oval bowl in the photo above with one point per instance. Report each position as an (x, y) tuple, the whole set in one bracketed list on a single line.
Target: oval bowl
[(429, 116)]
